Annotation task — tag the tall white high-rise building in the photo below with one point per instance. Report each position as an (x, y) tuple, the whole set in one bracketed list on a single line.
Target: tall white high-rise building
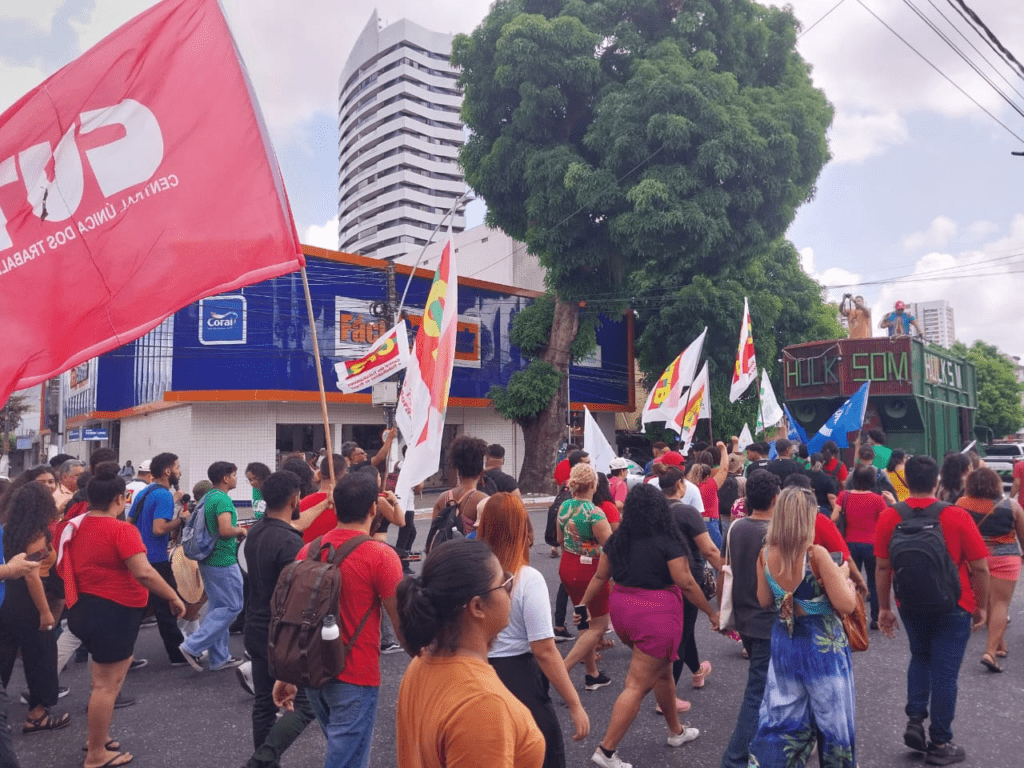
[(399, 138), (936, 321)]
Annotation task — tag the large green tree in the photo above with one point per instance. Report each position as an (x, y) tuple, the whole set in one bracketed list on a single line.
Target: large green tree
[(999, 393), (621, 136)]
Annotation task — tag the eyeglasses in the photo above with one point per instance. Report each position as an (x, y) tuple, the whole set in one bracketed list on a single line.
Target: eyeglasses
[(506, 584)]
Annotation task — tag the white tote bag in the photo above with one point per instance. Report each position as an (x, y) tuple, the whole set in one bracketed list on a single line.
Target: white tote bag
[(726, 619)]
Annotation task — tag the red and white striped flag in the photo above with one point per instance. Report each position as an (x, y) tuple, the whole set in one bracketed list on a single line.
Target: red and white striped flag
[(698, 406), (134, 181)]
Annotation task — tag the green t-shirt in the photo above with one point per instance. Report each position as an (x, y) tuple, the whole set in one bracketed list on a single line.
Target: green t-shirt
[(882, 454), (259, 506), (225, 552)]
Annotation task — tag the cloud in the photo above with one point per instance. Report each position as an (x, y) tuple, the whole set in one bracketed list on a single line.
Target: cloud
[(856, 137), (841, 278), (17, 80), (983, 287), (39, 13), (325, 236), (876, 82), (938, 234), (982, 228)]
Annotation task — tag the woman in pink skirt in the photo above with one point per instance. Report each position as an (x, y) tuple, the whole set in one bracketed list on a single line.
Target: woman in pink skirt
[(647, 559)]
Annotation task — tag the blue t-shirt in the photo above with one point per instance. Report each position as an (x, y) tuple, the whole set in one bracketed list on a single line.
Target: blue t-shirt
[(157, 504)]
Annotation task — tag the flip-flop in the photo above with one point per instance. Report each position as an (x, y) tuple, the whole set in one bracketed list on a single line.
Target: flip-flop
[(111, 746), (46, 723), (112, 762), (990, 664)]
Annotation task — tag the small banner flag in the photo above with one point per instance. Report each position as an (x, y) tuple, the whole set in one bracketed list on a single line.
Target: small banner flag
[(595, 443), (745, 372), (424, 398), (797, 434), (769, 411), (696, 408), (849, 418), (663, 402), (134, 181), (388, 355), (745, 437)]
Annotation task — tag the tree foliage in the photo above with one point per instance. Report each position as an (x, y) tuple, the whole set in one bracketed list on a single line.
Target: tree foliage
[(999, 393), (10, 419), (616, 137)]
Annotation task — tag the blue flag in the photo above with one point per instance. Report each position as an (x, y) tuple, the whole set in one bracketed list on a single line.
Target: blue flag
[(848, 418), (796, 432)]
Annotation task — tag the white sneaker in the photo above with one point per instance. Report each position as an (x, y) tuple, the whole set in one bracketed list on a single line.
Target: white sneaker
[(244, 673), (688, 734), (608, 762)]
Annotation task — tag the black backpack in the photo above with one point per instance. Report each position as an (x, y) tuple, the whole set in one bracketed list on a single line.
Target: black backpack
[(925, 578), (448, 523), (551, 530)]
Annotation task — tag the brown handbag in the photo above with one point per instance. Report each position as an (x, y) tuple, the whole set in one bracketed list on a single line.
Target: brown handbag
[(856, 626)]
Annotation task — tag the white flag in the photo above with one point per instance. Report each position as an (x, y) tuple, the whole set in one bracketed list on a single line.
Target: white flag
[(745, 373), (771, 411), (596, 444), (388, 355), (663, 402), (695, 408), (745, 437), (424, 398)]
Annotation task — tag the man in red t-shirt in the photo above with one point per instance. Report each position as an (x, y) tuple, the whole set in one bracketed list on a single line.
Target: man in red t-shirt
[(346, 708), (1018, 482), (937, 642)]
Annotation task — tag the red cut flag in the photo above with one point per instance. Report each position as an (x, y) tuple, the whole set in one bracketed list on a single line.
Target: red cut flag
[(745, 372), (424, 398), (134, 181)]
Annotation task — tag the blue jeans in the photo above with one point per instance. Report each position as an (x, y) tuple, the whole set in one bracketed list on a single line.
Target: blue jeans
[(346, 713), (737, 753), (937, 645), (863, 556), (223, 585), (714, 526)]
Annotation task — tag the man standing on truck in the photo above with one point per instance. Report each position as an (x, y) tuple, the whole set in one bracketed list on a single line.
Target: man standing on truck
[(898, 322)]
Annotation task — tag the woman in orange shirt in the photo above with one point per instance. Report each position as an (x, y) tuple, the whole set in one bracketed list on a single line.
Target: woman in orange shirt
[(453, 710)]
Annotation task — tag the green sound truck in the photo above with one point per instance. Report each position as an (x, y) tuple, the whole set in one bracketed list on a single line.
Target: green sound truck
[(923, 397)]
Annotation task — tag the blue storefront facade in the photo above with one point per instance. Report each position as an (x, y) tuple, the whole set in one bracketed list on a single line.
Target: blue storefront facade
[(234, 377)]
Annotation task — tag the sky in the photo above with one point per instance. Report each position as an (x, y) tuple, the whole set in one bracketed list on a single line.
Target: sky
[(921, 201)]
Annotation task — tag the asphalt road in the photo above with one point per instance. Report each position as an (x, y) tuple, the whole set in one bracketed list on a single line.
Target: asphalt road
[(184, 718)]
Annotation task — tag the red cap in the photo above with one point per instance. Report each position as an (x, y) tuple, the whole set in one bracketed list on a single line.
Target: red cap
[(900, 305), (672, 459)]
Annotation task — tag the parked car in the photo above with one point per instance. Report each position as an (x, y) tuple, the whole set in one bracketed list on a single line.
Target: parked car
[(1001, 457)]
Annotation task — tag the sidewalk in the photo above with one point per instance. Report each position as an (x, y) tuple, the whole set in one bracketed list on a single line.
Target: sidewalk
[(425, 503)]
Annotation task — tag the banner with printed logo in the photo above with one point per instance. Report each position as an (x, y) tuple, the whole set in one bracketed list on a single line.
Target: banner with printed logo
[(663, 401), (423, 401), (745, 372), (132, 183), (697, 406), (388, 355)]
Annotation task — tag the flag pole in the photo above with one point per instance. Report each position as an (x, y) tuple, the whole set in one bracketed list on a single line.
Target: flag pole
[(319, 379)]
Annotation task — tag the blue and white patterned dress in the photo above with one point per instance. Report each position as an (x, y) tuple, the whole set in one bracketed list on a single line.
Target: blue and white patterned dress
[(810, 683)]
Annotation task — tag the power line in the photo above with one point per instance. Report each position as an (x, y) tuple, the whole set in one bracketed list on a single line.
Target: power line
[(943, 74), (991, 37), (821, 19), (934, 27)]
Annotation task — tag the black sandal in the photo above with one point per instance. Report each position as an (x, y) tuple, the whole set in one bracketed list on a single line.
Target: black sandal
[(46, 723), (111, 746)]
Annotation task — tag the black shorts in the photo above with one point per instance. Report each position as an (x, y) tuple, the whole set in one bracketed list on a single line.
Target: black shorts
[(108, 630)]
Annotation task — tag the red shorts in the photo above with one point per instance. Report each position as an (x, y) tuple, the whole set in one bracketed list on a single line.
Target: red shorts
[(576, 577)]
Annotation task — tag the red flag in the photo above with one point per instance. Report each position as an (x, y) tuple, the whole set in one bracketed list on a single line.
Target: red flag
[(134, 181)]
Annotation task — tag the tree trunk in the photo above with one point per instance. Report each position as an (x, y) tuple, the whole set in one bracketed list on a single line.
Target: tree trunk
[(544, 433)]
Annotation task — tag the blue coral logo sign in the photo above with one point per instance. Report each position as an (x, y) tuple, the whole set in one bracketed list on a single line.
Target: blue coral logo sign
[(222, 320)]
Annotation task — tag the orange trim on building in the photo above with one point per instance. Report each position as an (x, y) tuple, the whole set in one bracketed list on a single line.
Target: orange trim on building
[(365, 261)]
